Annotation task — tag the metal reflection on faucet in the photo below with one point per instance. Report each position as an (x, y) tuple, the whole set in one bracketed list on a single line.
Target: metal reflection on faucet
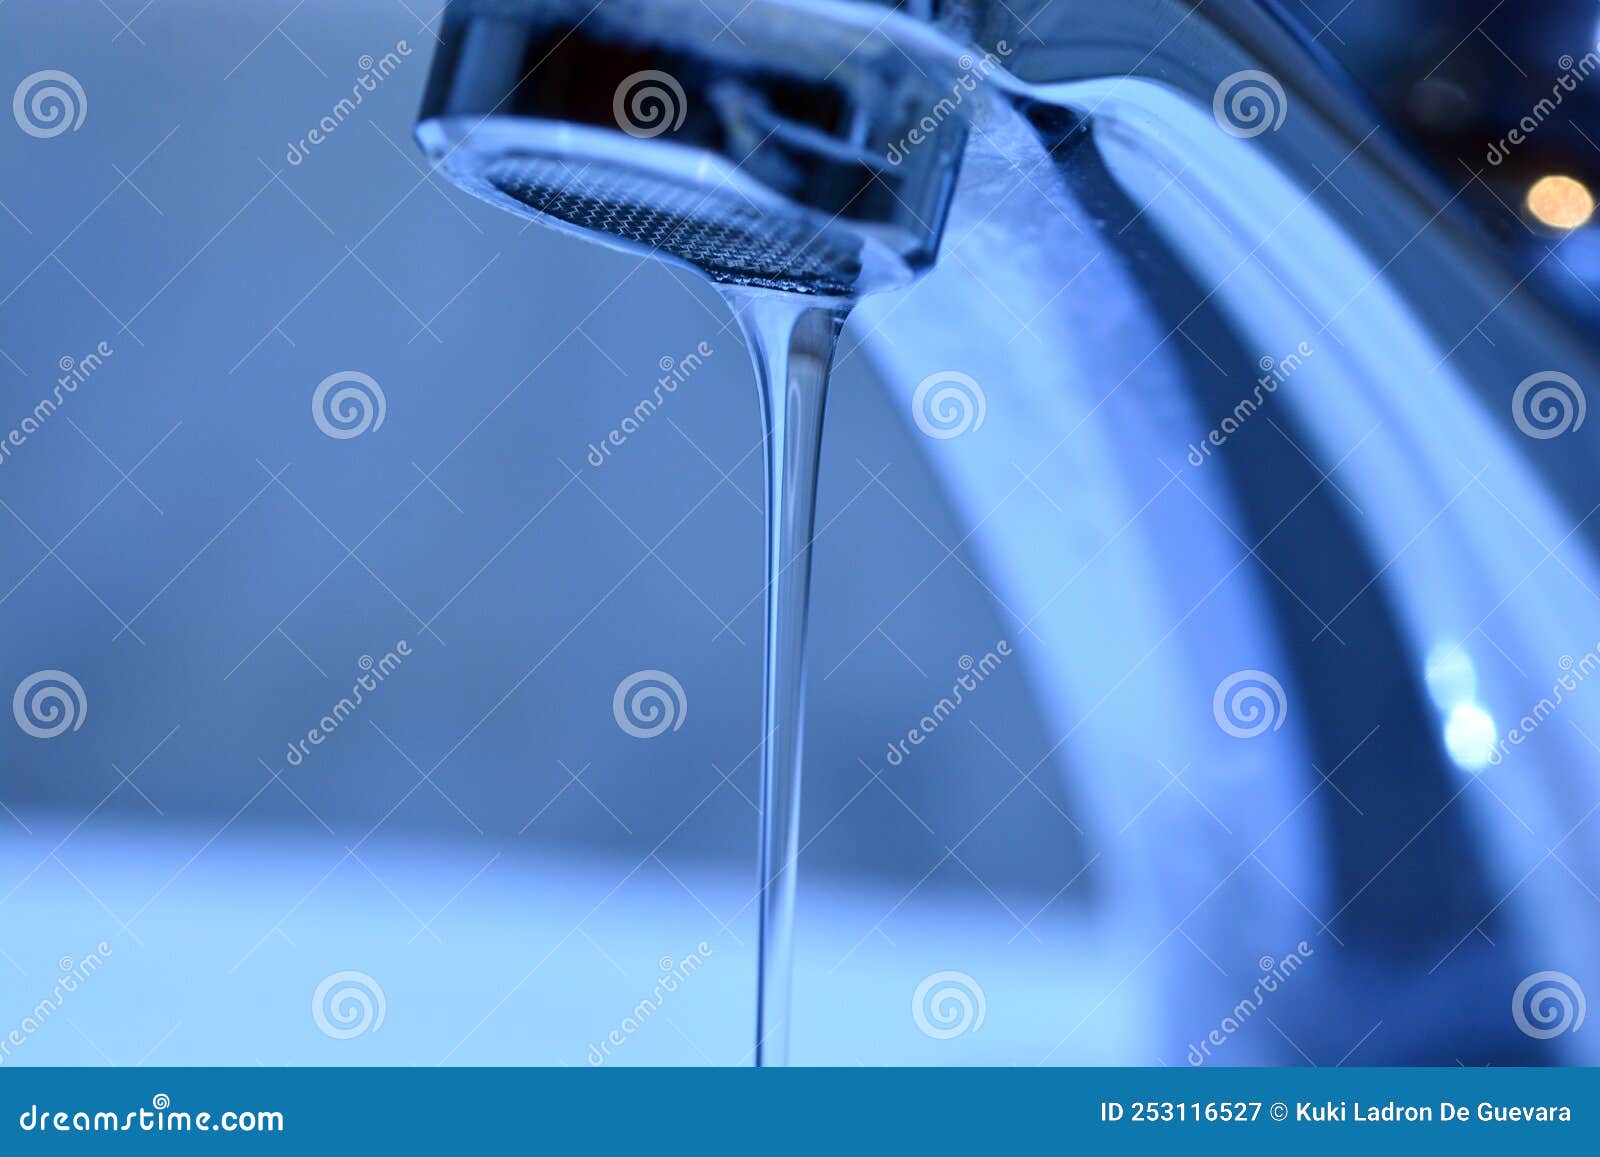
[(1450, 676), (1470, 736)]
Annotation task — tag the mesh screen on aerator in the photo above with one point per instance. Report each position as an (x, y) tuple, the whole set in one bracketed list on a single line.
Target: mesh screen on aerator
[(728, 238)]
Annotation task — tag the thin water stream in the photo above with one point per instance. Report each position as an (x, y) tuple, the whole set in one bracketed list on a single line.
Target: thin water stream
[(792, 342), (778, 161)]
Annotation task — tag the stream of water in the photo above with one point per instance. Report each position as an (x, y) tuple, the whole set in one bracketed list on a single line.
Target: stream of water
[(792, 342)]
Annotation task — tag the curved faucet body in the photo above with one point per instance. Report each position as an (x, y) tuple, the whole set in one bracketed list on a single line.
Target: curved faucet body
[(1308, 356)]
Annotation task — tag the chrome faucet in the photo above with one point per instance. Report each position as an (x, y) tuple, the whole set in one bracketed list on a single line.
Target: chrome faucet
[(1275, 462)]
